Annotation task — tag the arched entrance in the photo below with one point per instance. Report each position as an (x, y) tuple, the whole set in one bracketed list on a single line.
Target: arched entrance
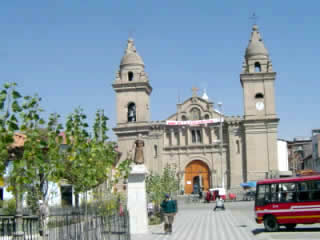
[(196, 176)]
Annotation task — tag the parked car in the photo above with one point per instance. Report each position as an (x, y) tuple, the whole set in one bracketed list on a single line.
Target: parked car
[(249, 196), (218, 191)]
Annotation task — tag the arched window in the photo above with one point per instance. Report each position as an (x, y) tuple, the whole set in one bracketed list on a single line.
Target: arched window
[(184, 118), (259, 96), (131, 112), (130, 76), (257, 67), (206, 116), (195, 114)]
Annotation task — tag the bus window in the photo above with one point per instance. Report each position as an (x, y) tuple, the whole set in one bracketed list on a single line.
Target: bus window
[(275, 197), (315, 195), (304, 191), (263, 195), (287, 192)]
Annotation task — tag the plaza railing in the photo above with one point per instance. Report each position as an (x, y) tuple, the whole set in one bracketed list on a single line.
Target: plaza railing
[(87, 224), (30, 227), (70, 224)]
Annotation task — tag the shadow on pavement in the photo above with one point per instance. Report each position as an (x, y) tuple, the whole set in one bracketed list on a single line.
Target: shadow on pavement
[(299, 229), (157, 233), (258, 231)]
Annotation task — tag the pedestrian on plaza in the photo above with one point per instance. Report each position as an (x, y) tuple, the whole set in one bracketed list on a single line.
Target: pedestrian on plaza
[(200, 193), (219, 203), (208, 196), (169, 208)]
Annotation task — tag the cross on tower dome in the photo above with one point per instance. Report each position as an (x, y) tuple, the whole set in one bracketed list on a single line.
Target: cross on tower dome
[(194, 91), (256, 46), (131, 56)]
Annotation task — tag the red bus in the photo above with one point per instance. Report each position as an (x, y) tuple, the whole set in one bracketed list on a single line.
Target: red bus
[(287, 202)]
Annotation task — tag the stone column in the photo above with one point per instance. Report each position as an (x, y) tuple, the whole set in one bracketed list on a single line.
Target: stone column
[(188, 132), (212, 135), (204, 135), (137, 200)]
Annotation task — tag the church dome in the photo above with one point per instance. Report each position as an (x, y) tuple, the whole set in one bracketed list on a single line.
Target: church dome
[(131, 56), (256, 46)]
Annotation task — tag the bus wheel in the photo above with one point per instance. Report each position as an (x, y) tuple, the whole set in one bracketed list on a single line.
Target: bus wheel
[(271, 224), (290, 226)]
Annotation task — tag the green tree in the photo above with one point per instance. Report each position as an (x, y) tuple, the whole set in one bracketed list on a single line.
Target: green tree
[(88, 161), (30, 166), (159, 185)]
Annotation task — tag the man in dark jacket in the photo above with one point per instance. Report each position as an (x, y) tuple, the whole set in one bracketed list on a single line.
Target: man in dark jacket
[(169, 209)]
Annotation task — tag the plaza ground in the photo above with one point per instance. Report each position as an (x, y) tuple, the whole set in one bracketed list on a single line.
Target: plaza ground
[(198, 221)]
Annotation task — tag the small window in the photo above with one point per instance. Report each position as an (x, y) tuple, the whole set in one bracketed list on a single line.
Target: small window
[(130, 76), (257, 67), (193, 133), (206, 116), (155, 151), (131, 112), (184, 118), (259, 96), (238, 146)]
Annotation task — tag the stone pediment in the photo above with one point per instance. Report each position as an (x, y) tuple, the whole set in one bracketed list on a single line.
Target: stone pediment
[(193, 107)]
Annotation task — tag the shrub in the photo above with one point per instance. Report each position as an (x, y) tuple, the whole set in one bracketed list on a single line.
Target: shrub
[(9, 206)]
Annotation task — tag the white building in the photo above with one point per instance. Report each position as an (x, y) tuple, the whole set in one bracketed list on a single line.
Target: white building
[(283, 160)]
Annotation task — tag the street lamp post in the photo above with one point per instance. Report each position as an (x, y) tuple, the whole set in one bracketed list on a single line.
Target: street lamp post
[(221, 144)]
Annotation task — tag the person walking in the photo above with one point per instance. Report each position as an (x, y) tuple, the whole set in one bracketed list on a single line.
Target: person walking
[(169, 208), (44, 218), (201, 193)]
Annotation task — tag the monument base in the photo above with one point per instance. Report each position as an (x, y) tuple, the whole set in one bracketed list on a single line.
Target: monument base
[(137, 200)]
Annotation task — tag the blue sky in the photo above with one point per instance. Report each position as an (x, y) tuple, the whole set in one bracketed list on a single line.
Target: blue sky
[(68, 53)]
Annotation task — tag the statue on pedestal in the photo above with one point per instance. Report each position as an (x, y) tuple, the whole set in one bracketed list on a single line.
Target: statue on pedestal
[(138, 155)]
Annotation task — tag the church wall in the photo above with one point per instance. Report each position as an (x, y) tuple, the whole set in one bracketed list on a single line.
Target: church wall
[(273, 147), (257, 153), (235, 143), (153, 151), (270, 99)]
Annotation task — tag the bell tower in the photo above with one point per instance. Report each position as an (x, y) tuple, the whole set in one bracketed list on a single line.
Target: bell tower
[(260, 118), (132, 88)]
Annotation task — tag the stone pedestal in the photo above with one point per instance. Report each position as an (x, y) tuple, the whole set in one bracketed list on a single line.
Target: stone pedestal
[(137, 200)]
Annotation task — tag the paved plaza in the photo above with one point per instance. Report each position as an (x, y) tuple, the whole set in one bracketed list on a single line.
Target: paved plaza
[(197, 221)]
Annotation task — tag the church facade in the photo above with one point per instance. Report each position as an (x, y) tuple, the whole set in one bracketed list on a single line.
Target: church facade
[(207, 148)]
